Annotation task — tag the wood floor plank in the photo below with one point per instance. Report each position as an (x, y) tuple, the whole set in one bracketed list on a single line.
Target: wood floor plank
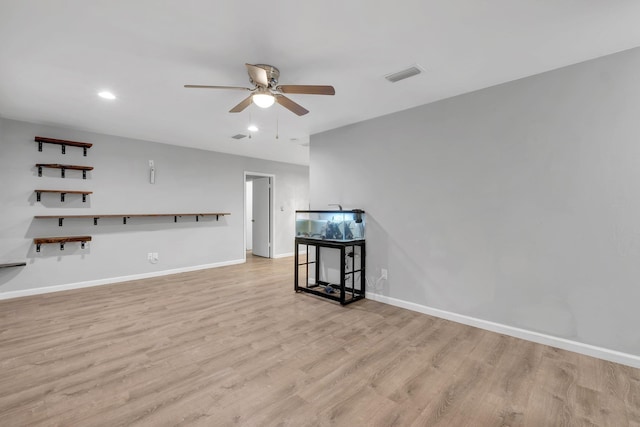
[(235, 346)]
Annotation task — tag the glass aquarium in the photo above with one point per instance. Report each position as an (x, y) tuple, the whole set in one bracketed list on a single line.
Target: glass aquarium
[(339, 226)]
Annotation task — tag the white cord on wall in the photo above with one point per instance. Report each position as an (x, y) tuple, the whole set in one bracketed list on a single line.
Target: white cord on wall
[(366, 279), (375, 285)]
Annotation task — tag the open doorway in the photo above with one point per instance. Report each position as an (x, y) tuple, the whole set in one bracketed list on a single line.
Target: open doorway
[(259, 189)]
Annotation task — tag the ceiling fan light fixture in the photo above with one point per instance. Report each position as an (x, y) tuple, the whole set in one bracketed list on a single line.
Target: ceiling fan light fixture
[(263, 100)]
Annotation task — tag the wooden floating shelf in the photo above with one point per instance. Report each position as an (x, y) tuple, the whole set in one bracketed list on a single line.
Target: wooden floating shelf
[(42, 140), (13, 264), (84, 169), (61, 240), (62, 193), (126, 216)]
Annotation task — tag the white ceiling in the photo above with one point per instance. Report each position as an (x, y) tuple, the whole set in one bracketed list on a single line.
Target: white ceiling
[(55, 55)]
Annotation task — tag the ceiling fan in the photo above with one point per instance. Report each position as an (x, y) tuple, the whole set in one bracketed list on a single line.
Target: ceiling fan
[(266, 91)]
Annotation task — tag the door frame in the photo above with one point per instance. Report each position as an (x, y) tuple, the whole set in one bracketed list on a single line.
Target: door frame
[(272, 222)]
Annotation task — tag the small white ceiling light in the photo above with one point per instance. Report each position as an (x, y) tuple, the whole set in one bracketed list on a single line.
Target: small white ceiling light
[(252, 128), (106, 95), (263, 99)]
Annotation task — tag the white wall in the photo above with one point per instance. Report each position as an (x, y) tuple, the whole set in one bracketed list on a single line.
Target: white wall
[(518, 204), (187, 180)]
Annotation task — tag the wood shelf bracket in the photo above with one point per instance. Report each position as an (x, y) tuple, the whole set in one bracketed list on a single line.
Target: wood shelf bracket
[(125, 217), (63, 168), (63, 143), (13, 264), (62, 194), (61, 241)]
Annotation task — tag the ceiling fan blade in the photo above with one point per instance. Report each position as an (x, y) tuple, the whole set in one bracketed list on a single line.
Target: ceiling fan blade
[(307, 89), (258, 75), (216, 87), (242, 105), (291, 106)]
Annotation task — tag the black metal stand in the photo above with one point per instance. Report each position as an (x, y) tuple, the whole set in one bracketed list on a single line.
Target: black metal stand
[(352, 271)]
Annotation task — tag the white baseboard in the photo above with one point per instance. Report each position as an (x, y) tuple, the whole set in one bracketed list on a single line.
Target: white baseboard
[(111, 280), (563, 343), (288, 254)]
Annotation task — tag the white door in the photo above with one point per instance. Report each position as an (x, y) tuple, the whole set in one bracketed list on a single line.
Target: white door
[(249, 210), (261, 216)]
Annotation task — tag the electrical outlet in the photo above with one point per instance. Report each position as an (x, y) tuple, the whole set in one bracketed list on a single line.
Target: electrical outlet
[(149, 256), (383, 274)]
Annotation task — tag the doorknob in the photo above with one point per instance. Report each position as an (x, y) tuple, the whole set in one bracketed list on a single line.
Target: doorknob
[(253, 220)]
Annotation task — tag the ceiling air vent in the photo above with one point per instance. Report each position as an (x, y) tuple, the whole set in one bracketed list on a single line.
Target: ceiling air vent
[(404, 74), (239, 136)]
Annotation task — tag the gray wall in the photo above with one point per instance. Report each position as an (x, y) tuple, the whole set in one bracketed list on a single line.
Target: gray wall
[(187, 180), (518, 204)]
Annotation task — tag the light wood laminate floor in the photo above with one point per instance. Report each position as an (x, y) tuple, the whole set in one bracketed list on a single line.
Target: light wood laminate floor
[(236, 346)]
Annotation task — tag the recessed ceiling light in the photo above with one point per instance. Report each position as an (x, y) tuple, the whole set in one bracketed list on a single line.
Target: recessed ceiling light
[(252, 128), (106, 95)]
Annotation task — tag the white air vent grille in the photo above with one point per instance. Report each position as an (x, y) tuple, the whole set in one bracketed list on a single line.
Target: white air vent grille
[(239, 136), (404, 74)]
